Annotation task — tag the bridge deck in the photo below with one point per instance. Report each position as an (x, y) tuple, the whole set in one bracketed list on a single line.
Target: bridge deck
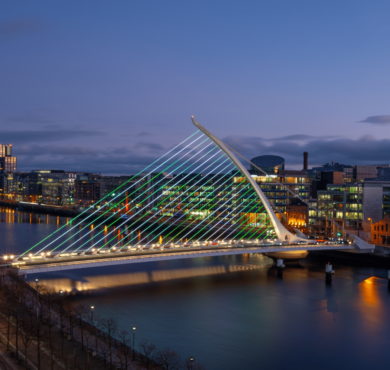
[(85, 261)]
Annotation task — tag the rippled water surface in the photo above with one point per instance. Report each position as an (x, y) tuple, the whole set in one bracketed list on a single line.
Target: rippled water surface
[(232, 312)]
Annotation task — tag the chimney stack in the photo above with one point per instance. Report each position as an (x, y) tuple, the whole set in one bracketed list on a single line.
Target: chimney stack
[(305, 160)]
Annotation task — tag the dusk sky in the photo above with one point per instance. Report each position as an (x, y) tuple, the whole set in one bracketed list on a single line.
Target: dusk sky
[(109, 86)]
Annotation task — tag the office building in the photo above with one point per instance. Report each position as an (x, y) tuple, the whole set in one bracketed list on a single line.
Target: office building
[(87, 191), (271, 164)]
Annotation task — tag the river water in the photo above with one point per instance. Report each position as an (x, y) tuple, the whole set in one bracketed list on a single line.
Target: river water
[(231, 312)]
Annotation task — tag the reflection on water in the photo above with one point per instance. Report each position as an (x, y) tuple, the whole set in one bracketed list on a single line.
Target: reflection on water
[(369, 290), (12, 215), (91, 283)]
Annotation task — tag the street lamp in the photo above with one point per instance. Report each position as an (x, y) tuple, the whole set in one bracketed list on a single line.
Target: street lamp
[(371, 228), (36, 282), (92, 309), (134, 330), (191, 362)]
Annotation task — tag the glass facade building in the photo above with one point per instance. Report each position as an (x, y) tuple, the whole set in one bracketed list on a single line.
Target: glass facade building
[(222, 200)]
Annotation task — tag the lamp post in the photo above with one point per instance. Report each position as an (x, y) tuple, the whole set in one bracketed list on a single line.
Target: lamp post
[(134, 330), (326, 226), (191, 362), (92, 309), (36, 282), (371, 227), (61, 326)]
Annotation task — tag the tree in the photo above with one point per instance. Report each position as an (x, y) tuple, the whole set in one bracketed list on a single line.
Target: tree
[(124, 352), (104, 350), (61, 303), (148, 350), (27, 334), (110, 326), (93, 319), (89, 337), (48, 312), (40, 333), (18, 320), (169, 359), (82, 312), (8, 306)]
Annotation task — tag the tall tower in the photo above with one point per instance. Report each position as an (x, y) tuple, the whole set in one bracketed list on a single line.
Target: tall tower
[(8, 165), (305, 160)]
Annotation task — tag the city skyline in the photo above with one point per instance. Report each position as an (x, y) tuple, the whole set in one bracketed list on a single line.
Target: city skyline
[(109, 89), (194, 184)]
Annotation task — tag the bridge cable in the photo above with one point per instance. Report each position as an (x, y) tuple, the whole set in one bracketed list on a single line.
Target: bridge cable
[(181, 194), (122, 200), (174, 148), (165, 221), (211, 143)]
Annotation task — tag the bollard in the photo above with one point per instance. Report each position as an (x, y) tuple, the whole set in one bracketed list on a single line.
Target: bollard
[(280, 267), (388, 280), (328, 274)]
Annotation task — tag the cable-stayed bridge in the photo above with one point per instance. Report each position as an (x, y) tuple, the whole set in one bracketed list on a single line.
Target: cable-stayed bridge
[(196, 200)]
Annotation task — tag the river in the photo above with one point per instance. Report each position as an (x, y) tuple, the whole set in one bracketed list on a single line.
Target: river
[(231, 312)]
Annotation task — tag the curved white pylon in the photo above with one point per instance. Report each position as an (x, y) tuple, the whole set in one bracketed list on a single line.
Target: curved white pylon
[(282, 233)]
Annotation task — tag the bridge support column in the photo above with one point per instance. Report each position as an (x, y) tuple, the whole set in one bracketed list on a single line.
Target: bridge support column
[(279, 267), (328, 274)]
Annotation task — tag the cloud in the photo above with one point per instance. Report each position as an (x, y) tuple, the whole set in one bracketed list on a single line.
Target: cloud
[(150, 146), (110, 161), (301, 137), (119, 160), (377, 120), (28, 118), (365, 150), (86, 161), (131, 159), (28, 136), (18, 26)]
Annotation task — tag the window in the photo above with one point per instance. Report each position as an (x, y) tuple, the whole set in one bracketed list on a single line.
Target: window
[(387, 227), (382, 227)]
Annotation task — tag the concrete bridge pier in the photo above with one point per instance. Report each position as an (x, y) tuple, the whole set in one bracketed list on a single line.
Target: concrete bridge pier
[(328, 274), (280, 266)]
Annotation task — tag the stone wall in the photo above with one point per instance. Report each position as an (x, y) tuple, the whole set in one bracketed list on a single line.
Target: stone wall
[(366, 236)]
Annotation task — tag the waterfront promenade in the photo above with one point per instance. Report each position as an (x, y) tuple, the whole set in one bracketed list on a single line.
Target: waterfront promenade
[(46, 331)]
